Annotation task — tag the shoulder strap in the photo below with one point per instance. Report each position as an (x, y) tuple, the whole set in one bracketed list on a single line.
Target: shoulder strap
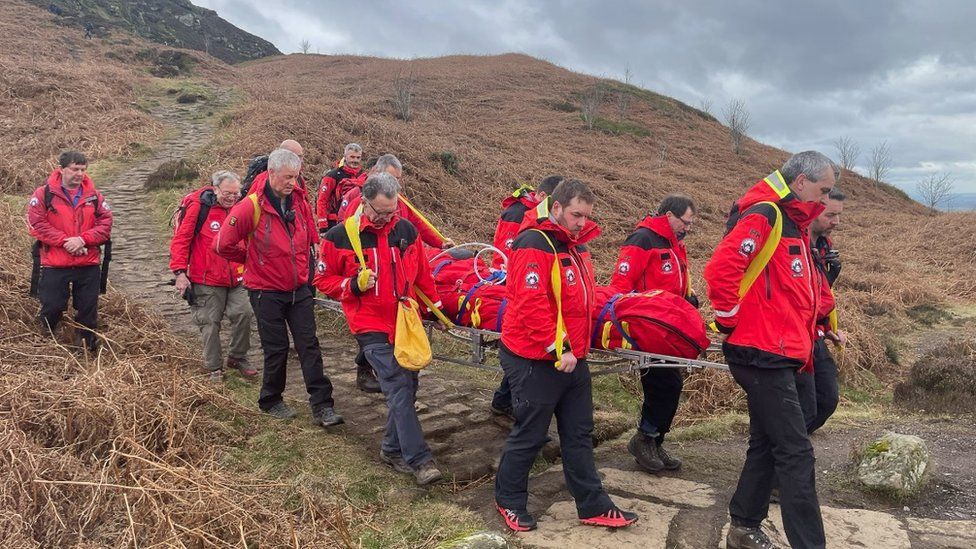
[(556, 277), (206, 202), (765, 254), (48, 197), (256, 213)]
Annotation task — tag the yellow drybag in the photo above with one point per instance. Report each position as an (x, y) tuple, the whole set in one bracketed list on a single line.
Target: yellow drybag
[(411, 348)]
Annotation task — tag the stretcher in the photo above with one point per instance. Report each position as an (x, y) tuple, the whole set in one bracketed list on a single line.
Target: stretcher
[(481, 343)]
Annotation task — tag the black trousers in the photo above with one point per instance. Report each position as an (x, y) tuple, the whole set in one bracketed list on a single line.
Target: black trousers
[(277, 313), (54, 288), (662, 390), (818, 391), (779, 451), (538, 392), (502, 398)]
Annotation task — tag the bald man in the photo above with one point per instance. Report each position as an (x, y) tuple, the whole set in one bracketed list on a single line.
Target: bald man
[(259, 165)]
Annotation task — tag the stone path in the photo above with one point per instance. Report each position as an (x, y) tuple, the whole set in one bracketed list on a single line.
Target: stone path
[(465, 437)]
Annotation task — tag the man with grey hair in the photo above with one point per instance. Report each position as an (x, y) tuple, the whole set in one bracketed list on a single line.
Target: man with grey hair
[(766, 294), (395, 267), (272, 232), (211, 284), (258, 167), (335, 184)]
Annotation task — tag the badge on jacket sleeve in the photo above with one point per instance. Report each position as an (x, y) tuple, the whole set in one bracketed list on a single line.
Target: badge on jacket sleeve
[(232, 221), (532, 280), (747, 247)]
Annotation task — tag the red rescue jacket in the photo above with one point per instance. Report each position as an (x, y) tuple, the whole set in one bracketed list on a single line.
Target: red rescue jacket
[(405, 210), (652, 258), (276, 253), (91, 219), (774, 324), (395, 253), (514, 209), (529, 326), (195, 254), (336, 183)]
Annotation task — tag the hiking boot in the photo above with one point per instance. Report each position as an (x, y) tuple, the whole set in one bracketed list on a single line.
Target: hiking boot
[(427, 474), (215, 376), (612, 518), (517, 520), (281, 411), (741, 537), (366, 379), (242, 366), (645, 451), (396, 462), (326, 416), (670, 462)]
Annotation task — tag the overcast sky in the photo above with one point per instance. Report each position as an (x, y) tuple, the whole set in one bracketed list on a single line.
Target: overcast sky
[(809, 72)]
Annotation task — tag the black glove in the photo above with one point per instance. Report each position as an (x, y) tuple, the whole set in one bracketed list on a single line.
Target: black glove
[(723, 329), (189, 296), (693, 299)]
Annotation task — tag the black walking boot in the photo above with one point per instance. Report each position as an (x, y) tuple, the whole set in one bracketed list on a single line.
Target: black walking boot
[(366, 379)]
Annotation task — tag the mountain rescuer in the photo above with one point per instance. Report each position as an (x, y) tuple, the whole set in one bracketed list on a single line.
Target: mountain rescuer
[(545, 339), (394, 264), (818, 390), (515, 208), (70, 220), (212, 282), (275, 222), (336, 183), (654, 257), (766, 294)]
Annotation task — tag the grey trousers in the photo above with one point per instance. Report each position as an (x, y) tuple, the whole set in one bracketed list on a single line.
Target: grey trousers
[(213, 304)]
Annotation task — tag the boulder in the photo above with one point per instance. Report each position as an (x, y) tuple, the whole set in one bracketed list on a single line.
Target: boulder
[(895, 464), (481, 540)]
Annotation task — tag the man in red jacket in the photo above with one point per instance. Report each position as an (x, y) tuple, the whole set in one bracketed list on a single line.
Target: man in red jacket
[(391, 164), (654, 257), (71, 220), (211, 283), (769, 311), (397, 267), (335, 184), (275, 222), (515, 209), (545, 339)]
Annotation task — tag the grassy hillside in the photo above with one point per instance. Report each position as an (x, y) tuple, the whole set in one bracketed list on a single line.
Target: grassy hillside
[(512, 118)]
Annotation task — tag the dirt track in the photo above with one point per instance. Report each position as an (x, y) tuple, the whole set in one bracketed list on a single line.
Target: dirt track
[(687, 510)]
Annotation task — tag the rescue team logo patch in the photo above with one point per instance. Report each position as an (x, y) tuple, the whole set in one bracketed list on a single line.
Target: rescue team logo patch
[(320, 267), (532, 279), (624, 268), (33, 202), (797, 267), (508, 243), (667, 267), (215, 225), (747, 247), (233, 220), (570, 277)]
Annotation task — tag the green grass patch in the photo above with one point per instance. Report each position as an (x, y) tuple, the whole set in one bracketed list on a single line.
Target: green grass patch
[(657, 101), (620, 127), (561, 106), (713, 428), (927, 314)]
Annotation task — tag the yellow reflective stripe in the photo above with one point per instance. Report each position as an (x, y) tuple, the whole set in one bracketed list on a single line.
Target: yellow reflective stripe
[(422, 218), (765, 254), (542, 211), (778, 184), (623, 340), (605, 338), (556, 277)]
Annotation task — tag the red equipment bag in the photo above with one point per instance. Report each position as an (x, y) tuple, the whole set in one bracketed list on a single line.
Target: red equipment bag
[(653, 322)]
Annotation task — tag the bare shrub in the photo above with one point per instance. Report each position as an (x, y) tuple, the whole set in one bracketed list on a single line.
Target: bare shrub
[(589, 105), (305, 45), (880, 163), (935, 190), (847, 152), (403, 87), (737, 120), (623, 96), (705, 106)]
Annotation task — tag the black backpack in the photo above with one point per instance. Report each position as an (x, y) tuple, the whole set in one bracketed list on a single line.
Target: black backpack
[(258, 165)]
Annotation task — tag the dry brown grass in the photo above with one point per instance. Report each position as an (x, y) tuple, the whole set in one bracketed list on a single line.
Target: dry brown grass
[(59, 91), (123, 448)]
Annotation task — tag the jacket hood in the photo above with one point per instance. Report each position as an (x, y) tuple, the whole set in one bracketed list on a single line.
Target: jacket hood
[(803, 213), (261, 181), (590, 229), (660, 225), (524, 194)]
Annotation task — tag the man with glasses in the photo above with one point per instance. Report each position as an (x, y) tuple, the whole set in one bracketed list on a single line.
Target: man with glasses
[(395, 265), (654, 257), (211, 283)]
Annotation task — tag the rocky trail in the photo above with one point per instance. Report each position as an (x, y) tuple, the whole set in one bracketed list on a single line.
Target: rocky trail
[(687, 509)]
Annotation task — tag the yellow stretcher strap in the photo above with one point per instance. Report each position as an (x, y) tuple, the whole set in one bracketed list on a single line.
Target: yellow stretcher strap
[(605, 337), (832, 319), (765, 254), (433, 308), (422, 218), (625, 341), (556, 277)]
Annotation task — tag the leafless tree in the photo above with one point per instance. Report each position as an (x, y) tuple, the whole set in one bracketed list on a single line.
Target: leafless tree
[(847, 152), (305, 45), (880, 162), (590, 104), (623, 96), (935, 190), (705, 106), (737, 119), (403, 87)]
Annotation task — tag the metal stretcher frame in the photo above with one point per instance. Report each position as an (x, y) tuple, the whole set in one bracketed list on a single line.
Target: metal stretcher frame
[(481, 341)]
